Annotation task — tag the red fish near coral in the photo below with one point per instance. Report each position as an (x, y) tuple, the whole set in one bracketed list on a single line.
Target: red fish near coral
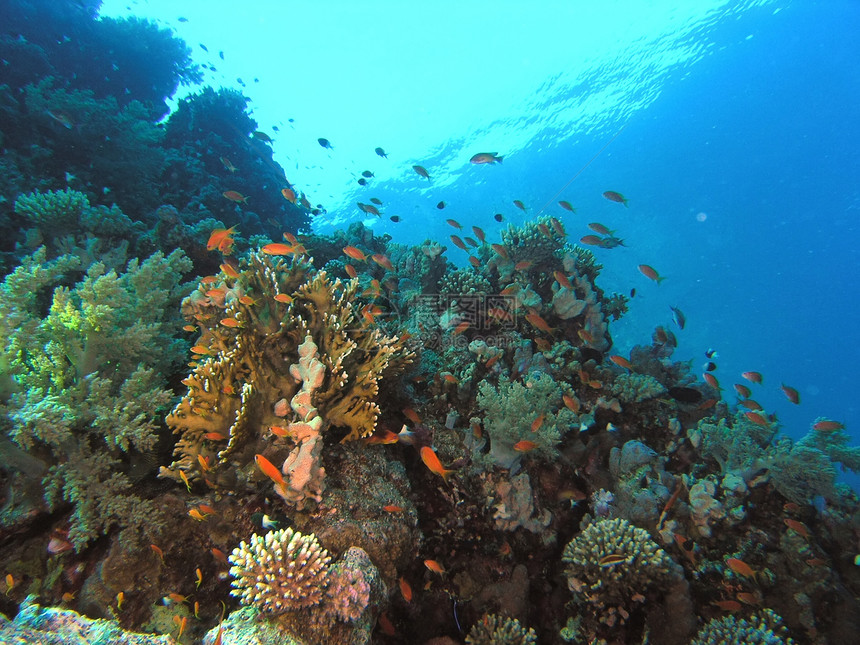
[(431, 460), (235, 196), (791, 394), (221, 240), (828, 426)]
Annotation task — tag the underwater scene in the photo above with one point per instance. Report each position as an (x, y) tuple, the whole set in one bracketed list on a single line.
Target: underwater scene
[(485, 323)]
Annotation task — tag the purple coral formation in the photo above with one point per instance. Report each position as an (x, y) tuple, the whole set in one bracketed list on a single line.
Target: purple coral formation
[(347, 594)]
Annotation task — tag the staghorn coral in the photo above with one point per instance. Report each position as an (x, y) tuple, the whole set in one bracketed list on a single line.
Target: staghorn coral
[(241, 385), (84, 385), (493, 629), (762, 628), (612, 564), (280, 571)]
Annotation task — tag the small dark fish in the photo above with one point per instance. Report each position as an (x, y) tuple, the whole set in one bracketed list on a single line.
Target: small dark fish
[(612, 196), (498, 217), (633, 292), (221, 54), (395, 218), (519, 205), (325, 143), (240, 82), (611, 242), (381, 152), (440, 205), (376, 201), (710, 366), (711, 353), (486, 157), (203, 47), (679, 317), (182, 19), (421, 170), (276, 128), (685, 394), (261, 136), (362, 182), (567, 206), (367, 174)]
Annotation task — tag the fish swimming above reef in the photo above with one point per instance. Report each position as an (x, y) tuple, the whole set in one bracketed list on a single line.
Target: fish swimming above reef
[(679, 317), (486, 157), (613, 196), (380, 152), (325, 143)]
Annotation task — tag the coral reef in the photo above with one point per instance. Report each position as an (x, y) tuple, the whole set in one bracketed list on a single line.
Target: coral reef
[(84, 387), (280, 571), (493, 629), (612, 565), (55, 626), (251, 326), (762, 628)]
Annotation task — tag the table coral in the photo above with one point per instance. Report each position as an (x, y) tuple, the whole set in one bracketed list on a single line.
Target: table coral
[(252, 328), (612, 564)]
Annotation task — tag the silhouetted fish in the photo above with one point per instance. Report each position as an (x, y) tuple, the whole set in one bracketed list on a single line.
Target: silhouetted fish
[(685, 394)]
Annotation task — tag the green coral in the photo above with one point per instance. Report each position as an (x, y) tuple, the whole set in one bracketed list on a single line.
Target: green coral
[(58, 209), (493, 629), (510, 409), (634, 388), (84, 382), (799, 470), (612, 564), (762, 628)]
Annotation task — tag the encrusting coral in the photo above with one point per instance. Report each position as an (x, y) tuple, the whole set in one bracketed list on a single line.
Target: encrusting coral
[(280, 571), (274, 338), (612, 564)]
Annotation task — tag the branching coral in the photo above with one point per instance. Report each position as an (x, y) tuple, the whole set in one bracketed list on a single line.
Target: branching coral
[(280, 571), (252, 329), (84, 382), (493, 629), (612, 564), (762, 628)]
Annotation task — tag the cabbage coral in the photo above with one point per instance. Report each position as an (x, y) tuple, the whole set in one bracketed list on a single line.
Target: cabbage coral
[(280, 571)]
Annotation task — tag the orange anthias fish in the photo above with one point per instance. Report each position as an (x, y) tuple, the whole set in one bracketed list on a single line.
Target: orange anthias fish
[(757, 418), (235, 196), (405, 590), (650, 273), (740, 567), (431, 460), (392, 508), (620, 361), (455, 224), (742, 390), (612, 196), (797, 527), (486, 157), (229, 166), (221, 239), (753, 377), (276, 248), (354, 253), (791, 394), (538, 323), (289, 194), (538, 422), (382, 261), (828, 426), (459, 243), (479, 233), (525, 446), (269, 470), (434, 566), (597, 227), (591, 240), (566, 206)]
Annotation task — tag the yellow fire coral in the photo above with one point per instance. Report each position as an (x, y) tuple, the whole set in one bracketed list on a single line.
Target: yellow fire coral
[(283, 356)]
